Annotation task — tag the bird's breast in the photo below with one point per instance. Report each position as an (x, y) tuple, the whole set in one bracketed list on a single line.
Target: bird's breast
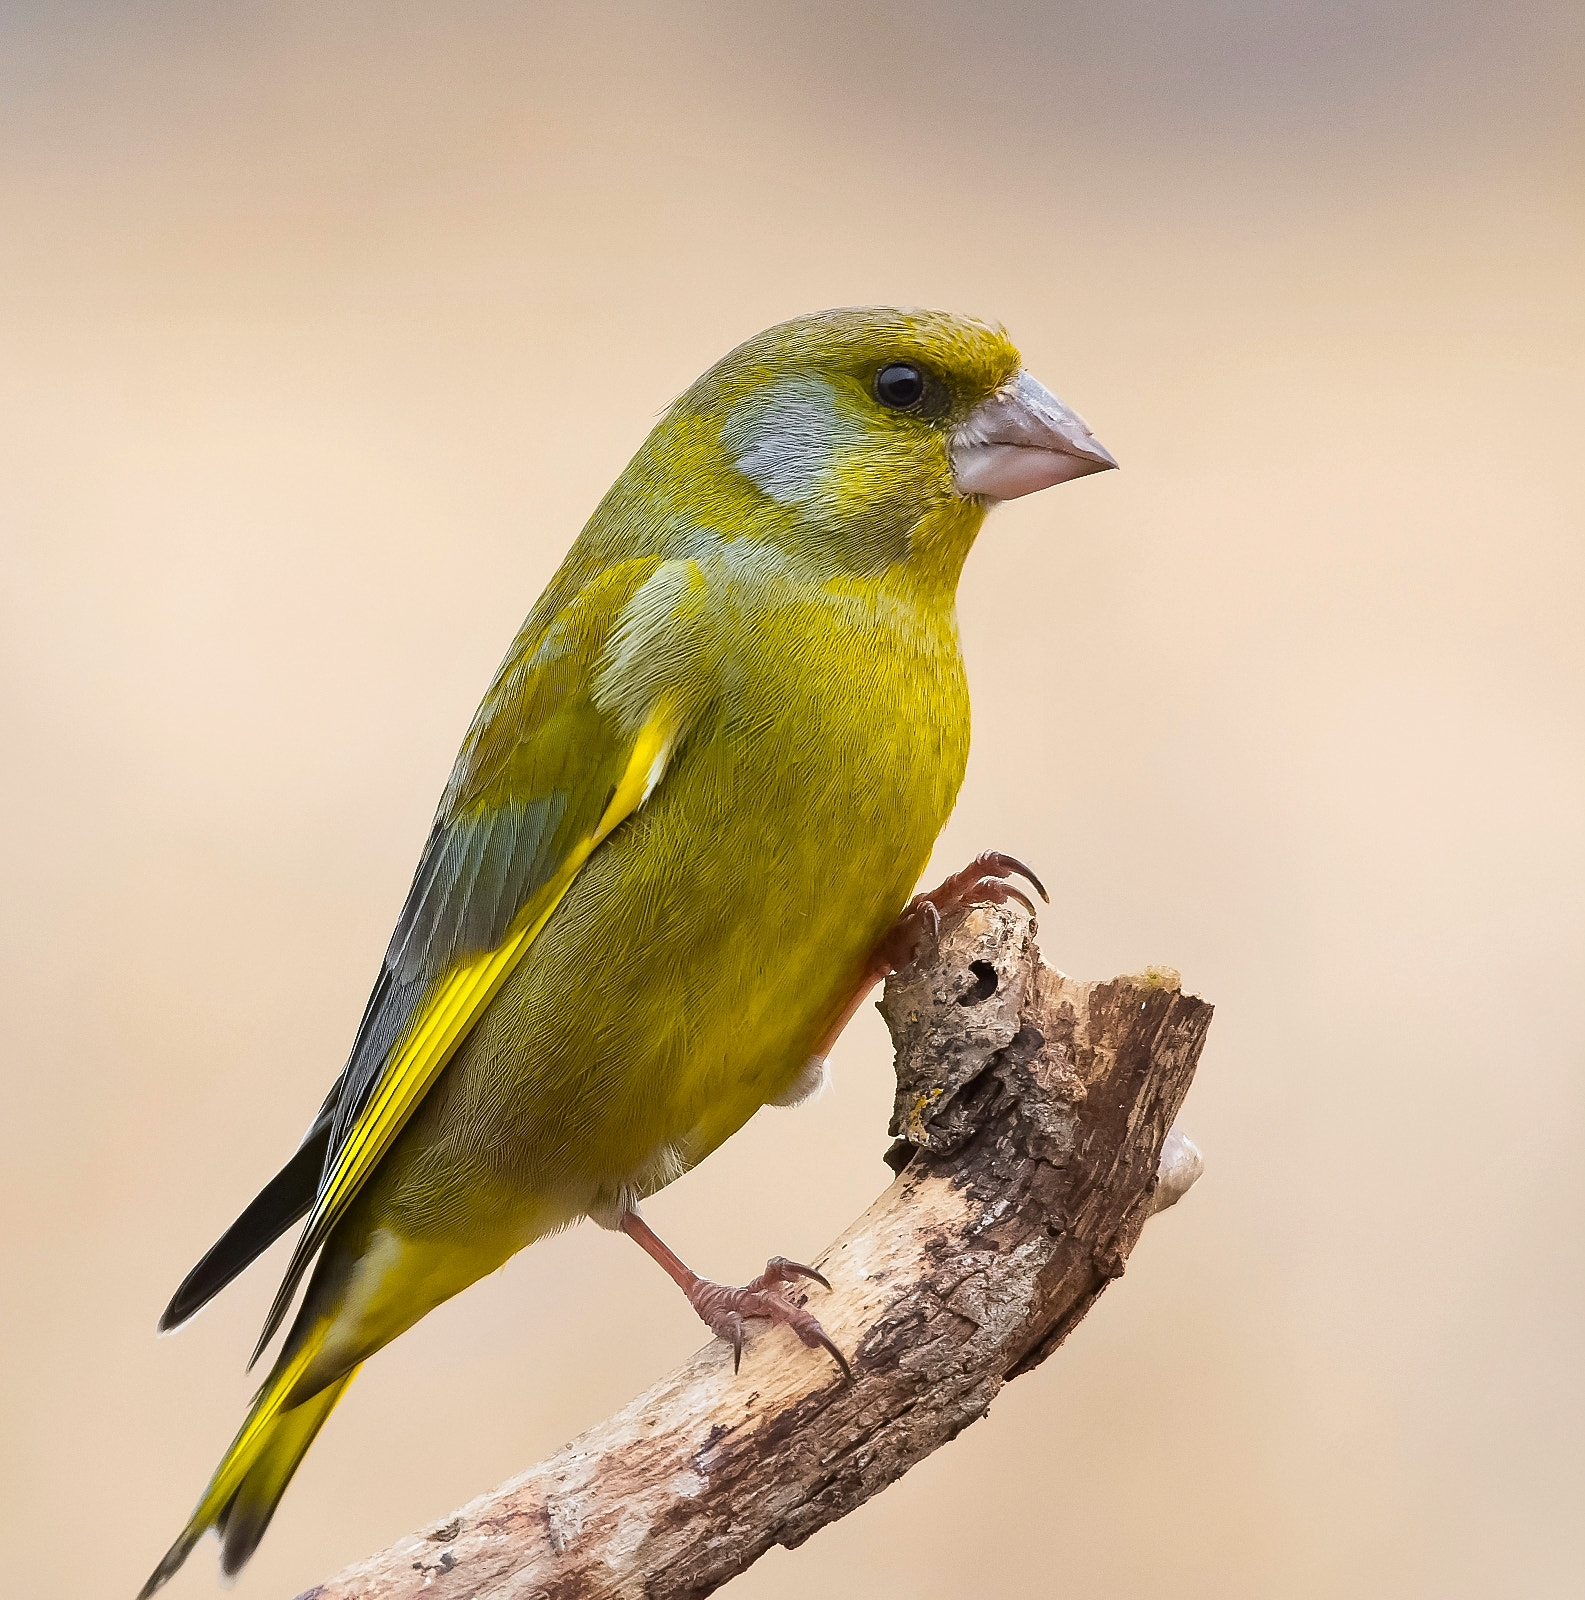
[(706, 945), (791, 830)]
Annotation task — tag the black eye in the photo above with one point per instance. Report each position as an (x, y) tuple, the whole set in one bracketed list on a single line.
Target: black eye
[(899, 386)]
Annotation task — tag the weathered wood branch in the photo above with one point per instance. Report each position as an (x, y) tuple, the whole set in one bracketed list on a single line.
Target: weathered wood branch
[(1031, 1117)]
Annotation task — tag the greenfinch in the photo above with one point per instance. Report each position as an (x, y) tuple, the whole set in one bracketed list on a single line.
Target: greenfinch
[(676, 850)]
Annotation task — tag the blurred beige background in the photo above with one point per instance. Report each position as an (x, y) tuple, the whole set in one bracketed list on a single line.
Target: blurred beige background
[(321, 331)]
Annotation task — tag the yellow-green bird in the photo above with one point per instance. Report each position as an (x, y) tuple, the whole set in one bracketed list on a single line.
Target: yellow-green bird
[(675, 851)]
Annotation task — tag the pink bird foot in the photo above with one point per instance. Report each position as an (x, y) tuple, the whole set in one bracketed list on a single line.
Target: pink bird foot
[(724, 1309), (983, 882)]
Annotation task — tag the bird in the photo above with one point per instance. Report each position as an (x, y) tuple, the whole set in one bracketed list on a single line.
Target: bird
[(675, 852)]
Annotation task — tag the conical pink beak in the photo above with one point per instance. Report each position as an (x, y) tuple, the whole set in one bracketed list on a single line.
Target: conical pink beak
[(1022, 439)]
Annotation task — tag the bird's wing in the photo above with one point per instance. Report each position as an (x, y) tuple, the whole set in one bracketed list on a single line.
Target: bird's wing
[(549, 768)]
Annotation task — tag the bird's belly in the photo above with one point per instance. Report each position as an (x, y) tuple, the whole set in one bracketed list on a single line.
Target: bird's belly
[(699, 957)]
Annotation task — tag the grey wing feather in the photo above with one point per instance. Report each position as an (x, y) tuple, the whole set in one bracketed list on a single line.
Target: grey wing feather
[(474, 875)]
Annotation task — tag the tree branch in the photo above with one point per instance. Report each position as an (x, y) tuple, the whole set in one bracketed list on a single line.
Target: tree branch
[(1031, 1118)]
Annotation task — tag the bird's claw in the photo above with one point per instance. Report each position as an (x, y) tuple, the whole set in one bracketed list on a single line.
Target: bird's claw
[(723, 1309), (983, 882), (989, 867), (780, 1270), (730, 1327)]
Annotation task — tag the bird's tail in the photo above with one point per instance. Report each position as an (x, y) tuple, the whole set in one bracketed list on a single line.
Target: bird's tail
[(253, 1474)]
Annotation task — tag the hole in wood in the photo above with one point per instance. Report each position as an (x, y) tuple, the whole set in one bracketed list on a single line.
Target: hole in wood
[(984, 985)]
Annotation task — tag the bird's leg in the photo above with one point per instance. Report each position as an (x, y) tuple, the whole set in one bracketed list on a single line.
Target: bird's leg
[(983, 882), (723, 1309)]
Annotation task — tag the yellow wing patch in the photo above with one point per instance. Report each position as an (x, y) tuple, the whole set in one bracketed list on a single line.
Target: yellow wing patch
[(458, 1002)]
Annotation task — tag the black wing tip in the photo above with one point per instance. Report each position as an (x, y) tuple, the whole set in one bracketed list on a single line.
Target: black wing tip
[(218, 1268), (172, 1317), (295, 1268), (280, 1203), (194, 1292)]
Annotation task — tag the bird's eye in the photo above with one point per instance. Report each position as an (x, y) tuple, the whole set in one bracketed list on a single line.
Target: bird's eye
[(899, 386)]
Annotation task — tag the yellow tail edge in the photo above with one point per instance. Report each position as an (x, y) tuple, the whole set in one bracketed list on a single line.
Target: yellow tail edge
[(253, 1474)]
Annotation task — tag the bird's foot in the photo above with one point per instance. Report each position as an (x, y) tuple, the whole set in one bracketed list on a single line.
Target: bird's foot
[(723, 1309), (983, 882)]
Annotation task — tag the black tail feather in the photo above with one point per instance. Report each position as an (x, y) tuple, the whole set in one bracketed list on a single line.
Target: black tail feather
[(285, 1199)]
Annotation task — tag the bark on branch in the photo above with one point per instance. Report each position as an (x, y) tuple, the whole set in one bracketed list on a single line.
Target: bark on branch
[(1031, 1116)]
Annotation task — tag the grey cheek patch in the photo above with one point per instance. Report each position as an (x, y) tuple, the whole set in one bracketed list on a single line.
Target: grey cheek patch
[(785, 439)]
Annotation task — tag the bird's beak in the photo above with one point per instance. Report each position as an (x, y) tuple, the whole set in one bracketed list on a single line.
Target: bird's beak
[(1021, 439)]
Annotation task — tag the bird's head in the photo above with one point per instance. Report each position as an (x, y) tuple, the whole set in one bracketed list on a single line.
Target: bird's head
[(869, 436)]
